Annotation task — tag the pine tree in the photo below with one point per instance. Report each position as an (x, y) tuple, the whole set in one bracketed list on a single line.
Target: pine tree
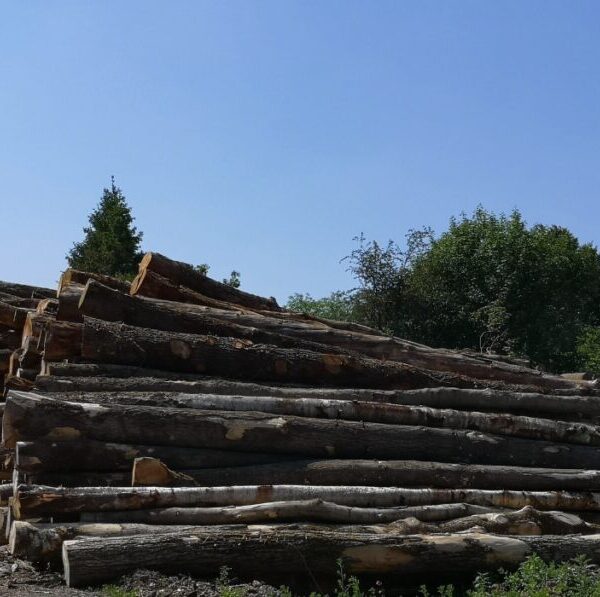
[(112, 243)]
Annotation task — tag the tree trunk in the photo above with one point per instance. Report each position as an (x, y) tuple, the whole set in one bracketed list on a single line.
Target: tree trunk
[(31, 502), (26, 291), (86, 377), (192, 353), (183, 274), (12, 317), (82, 455), (375, 473), (9, 338), (79, 478), (41, 543), (62, 340), (5, 354), (315, 510), (31, 417), (373, 412), (47, 306), (104, 303), (276, 555), (75, 276)]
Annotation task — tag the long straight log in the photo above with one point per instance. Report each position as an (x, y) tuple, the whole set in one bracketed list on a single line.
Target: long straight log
[(107, 304), (374, 412), (30, 416), (12, 317), (315, 510), (5, 354), (75, 276), (184, 274), (80, 478), (26, 291), (374, 473), (41, 543), (82, 455), (281, 555), (193, 353), (30, 502), (87, 377)]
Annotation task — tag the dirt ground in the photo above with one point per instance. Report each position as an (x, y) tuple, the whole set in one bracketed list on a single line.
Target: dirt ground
[(20, 579)]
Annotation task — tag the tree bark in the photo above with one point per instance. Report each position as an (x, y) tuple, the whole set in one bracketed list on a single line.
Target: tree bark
[(280, 555), (31, 417), (107, 304), (315, 510), (373, 412), (75, 276), (5, 354), (82, 455), (193, 353), (374, 473), (47, 306), (30, 502), (9, 338), (62, 340), (183, 274), (87, 377), (26, 291), (12, 317)]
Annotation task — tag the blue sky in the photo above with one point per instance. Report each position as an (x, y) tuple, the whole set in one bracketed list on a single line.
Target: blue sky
[(264, 135)]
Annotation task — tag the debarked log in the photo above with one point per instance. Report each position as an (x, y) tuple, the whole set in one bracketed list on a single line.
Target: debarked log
[(89, 377), (34, 501), (280, 555), (30, 416), (374, 412), (315, 510)]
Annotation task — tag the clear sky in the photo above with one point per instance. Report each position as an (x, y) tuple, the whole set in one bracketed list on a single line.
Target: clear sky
[(263, 135)]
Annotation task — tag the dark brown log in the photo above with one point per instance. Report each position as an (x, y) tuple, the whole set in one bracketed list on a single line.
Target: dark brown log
[(194, 353), (30, 502), (374, 412), (68, 303), (35, 328), (41, 543), (6, 492), (62, 340), (315, 510), (74, 276), (184, 274), (278, 555), (104, 303), (26, 291), (374, 473), (5, 354), (9, 338), (28, 374), (12, 317), (111, 371), (81, 455), (80, 478), (29, 417), (13, 382)]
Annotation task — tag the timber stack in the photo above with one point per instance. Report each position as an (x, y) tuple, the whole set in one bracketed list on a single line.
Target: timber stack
[(179, 424)]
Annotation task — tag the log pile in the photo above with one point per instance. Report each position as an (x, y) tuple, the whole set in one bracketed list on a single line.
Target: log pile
[(179, 424)]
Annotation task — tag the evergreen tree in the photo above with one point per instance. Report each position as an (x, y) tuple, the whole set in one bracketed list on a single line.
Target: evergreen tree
[(112, 243)]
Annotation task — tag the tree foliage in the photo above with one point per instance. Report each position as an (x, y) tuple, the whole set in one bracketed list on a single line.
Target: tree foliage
[(111, 244), (489, 283), (338, 305)]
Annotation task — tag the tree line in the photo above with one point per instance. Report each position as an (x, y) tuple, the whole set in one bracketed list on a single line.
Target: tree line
[(489, 283)]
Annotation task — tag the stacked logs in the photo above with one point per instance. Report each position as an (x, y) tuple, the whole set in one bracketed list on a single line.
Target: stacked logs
[(180, 424)]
